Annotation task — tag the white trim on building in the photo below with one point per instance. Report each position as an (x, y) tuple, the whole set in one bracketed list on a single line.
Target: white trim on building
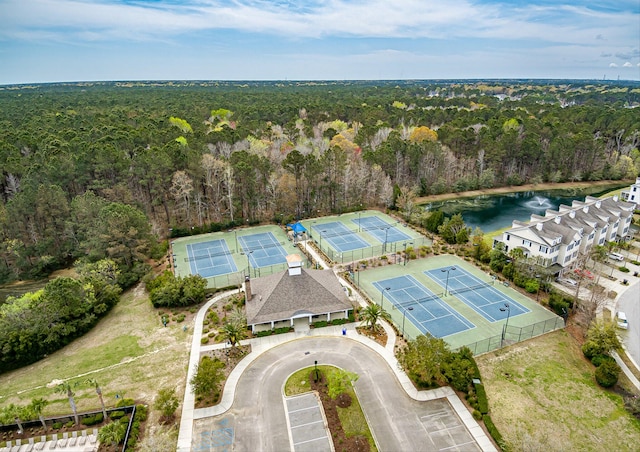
[(560, 236)]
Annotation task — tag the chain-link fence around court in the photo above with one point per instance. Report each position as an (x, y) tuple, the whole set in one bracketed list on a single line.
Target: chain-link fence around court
[(237, 278), (371, 251), (512, 334)]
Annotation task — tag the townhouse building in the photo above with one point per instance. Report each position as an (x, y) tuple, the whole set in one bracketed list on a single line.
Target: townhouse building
[(633, 193), (556, 239)]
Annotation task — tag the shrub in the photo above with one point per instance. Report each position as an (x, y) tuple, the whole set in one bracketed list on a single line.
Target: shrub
[(125, 402), (623, 269), (532, 286), (141, 413), (92, 420), (116, 414), (338, 321), (204, 340), (320, 324), (493, 431), (483, 403), (264, 333), (477, 415), (179, 318), (69, 424), (591, 349), (559, 304), (57, 425), (597, 360), (607, 374), (282, 330)]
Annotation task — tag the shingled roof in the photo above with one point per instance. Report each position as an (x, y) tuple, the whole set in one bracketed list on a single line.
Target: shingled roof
[(282, 296)]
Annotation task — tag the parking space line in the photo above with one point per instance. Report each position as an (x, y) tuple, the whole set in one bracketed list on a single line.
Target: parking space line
[(308, 423), (312, 440), (303, 409)]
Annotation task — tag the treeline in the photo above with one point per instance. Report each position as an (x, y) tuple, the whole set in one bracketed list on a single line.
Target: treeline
[(39, 323), (98, 169)]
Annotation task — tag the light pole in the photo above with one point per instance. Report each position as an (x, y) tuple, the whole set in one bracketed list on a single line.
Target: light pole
[(248, 262), (404, 312), (504, 327), (382, 296), (235, 235), (386, 231), (538, 291), (321, 232), (359, 213), (446, 286), (405, 251)]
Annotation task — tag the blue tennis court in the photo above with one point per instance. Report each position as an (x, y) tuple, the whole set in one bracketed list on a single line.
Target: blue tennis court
[(339, 237), (481, 296), (380, 229), (263, 249), (422, 307), (210, 258)]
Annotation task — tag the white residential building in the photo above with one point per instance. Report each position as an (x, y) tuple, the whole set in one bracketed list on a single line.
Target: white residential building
[(633, 194), (556, 239)]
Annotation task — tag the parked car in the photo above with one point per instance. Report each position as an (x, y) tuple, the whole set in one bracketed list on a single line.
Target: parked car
[(616, 257), (567, 282), (621, 320)]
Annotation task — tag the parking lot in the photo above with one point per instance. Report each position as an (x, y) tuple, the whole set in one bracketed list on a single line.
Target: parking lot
[(308, 430)]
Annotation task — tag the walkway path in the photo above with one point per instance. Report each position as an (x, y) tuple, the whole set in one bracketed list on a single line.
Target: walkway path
[(376, 378)]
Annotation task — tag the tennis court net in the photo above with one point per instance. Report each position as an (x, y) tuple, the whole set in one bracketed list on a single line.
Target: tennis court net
[(470, 288), (406, 304), (201, 257), (248, 249)]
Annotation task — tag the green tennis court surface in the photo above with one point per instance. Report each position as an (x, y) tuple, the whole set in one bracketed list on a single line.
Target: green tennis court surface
[(422, 307), (263, 249), (210, 258), (481, 296), (380, 229)]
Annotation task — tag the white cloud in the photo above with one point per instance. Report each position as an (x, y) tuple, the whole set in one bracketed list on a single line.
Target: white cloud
[(613, 65), (110, 19), (627, 64)]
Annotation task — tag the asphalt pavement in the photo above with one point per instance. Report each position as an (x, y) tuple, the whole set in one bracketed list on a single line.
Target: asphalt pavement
[(398, 421)]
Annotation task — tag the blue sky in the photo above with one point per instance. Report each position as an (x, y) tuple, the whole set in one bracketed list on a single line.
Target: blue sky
[(76, 40)]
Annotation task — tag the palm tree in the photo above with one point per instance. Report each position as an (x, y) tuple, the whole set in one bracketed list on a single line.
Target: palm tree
[(94, 382), (38, 406), (233, 332), (112, 433), (65, 388), (372, 314)]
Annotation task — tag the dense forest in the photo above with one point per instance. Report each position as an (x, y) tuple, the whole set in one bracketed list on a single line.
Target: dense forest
[(99, 170)]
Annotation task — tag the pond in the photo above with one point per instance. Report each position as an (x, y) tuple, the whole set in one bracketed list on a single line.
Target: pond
[(493, 212)]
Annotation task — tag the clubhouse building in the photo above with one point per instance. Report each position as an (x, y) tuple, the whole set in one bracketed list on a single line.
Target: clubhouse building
[(556, 239), (296, 296)]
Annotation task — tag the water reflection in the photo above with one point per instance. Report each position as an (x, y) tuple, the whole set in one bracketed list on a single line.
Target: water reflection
[(494, 212)]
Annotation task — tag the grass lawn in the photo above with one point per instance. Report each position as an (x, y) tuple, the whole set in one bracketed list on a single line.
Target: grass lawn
[(129, 353), (543, 396)]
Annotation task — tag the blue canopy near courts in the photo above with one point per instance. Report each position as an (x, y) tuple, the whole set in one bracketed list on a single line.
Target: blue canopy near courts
[(297, 228)]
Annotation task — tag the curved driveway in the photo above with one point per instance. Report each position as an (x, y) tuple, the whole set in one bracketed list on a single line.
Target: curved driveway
[(257, 421)]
